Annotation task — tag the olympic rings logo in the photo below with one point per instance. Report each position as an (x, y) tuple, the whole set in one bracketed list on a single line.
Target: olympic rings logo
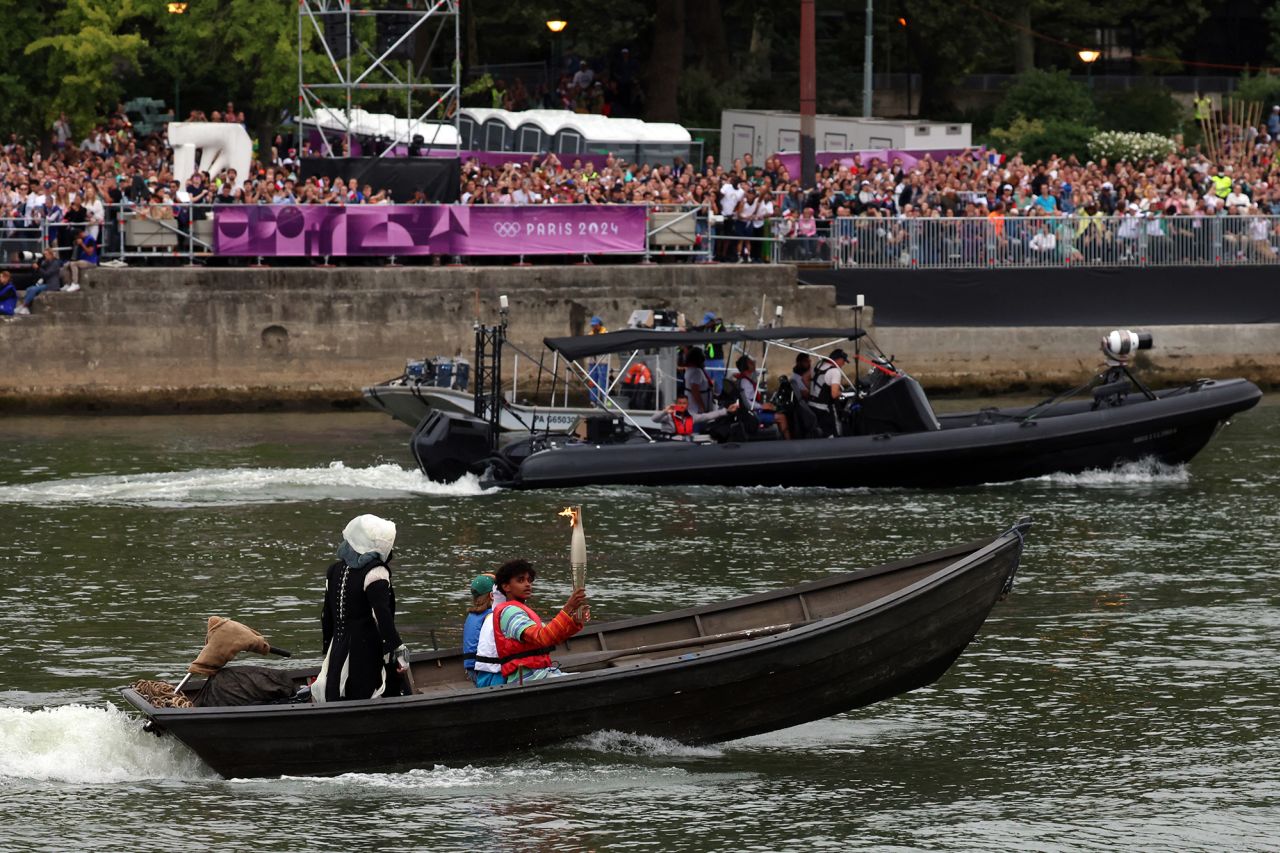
[(507, 229)]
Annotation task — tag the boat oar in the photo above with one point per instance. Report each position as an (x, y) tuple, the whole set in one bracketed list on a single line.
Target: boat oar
[(590, 658)]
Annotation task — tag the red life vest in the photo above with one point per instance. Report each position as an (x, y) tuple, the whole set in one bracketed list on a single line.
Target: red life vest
[(638, 374), (513, 654), (683, 422)]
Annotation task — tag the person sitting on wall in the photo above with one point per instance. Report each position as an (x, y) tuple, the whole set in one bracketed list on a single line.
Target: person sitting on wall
[(49, 274), (524, 642), (86, 258)]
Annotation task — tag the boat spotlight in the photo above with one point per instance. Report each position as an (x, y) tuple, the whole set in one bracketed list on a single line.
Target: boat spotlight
[(1120, 345)]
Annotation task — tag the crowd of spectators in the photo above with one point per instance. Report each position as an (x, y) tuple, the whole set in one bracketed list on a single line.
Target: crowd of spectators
[(1062, 206)]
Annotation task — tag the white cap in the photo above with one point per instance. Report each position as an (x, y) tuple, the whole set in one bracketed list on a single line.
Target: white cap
[(369, 533)]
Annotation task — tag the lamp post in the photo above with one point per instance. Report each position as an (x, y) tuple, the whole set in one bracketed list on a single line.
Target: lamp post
[(1088, 57), (177, 8), (556, 27)]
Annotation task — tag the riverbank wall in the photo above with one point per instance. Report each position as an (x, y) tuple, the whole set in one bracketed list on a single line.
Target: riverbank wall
[(245, 339)]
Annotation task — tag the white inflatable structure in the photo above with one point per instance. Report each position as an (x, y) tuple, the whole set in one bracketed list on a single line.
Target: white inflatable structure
[(223, 145)]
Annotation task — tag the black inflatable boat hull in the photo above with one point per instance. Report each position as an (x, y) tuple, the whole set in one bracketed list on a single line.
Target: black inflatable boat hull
[(1067, 439)]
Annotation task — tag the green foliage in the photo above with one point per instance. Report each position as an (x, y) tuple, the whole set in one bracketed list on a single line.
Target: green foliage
[(1146, 109), (701, 98), (23, 79), (1039, 139), (1272, 17), (1259, 87), (90, 56), (240, 50), (1045, 95)]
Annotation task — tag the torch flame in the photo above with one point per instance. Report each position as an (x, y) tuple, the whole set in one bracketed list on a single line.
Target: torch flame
[(571, 513)]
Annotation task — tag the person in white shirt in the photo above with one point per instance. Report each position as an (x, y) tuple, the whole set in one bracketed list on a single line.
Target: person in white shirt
[(1237, 198), (730, 196), (764, 212), (1044, 241)]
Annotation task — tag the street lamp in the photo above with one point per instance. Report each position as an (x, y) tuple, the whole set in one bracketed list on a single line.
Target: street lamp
[(1088, 57), (177, 9), (556, 27)]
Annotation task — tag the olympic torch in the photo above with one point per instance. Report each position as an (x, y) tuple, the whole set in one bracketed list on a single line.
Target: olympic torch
[(577, 551)]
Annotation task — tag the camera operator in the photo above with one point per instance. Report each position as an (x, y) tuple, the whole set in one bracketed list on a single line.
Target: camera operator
[(49, 271)]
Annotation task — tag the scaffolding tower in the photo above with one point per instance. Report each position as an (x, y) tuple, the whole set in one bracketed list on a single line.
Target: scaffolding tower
[(380, 46)]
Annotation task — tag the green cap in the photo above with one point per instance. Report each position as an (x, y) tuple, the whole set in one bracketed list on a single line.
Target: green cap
[(481, 585)]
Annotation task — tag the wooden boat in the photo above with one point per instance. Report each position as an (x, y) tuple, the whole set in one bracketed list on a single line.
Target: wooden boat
[(703, 674)]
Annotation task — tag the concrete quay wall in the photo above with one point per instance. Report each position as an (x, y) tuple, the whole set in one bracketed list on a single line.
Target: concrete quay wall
[(200, 339)]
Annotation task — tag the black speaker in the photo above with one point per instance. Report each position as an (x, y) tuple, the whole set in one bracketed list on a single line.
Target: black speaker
[(335, 35), (390, 29)]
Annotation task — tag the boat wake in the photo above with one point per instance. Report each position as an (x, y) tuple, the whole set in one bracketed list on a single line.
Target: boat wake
[(1142, 472), (624, 743), (220, 486), (89, 745)]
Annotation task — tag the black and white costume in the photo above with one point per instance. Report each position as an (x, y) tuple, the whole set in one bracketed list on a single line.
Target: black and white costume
[(360, 637)]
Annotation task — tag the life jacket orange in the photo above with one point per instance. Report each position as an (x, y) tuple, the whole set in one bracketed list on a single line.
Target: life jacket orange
[(683, 422), (513, 654), (638, 374)]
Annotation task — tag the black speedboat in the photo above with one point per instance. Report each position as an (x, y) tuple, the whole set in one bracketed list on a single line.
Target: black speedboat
[(890, 434), (704, 674)]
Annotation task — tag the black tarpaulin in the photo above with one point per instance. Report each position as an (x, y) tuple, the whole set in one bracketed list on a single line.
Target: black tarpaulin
[(629, 340)]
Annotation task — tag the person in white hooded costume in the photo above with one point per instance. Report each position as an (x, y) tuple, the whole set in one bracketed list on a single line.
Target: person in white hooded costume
[(363, 655)]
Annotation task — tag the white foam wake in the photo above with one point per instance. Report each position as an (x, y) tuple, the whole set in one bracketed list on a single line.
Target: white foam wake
[(625, 743), (215, 486), (1148, 470), (77, 743)]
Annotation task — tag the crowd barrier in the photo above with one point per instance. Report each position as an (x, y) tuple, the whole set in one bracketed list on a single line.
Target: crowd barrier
[(984, 243), (685, 232), (325, 232)]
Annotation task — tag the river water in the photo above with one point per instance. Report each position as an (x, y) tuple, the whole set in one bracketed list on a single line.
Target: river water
[(1125, 695)]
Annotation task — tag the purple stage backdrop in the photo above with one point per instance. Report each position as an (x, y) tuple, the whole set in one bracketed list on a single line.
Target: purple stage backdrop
[(316, 230)]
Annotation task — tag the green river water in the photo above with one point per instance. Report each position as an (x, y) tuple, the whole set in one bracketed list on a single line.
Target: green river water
[(1124, 697)]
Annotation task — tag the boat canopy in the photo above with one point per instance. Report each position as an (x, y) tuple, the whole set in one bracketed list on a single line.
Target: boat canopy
[(628, 340)]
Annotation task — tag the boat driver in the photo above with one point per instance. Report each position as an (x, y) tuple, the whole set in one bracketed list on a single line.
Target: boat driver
[(824, 391), (524, 642)]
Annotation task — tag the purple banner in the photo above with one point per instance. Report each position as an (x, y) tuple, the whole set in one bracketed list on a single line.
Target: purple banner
[(315, 231)]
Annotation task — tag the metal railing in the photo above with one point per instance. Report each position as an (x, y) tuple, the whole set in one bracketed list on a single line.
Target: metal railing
[(1031, 241), (184, 234)]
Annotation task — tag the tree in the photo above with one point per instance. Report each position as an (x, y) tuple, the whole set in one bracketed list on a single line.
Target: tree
[(666, 62), (26, 82), (90, 56), (1045, 95), (1272, 17), (1145, 109), (247, 52)]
